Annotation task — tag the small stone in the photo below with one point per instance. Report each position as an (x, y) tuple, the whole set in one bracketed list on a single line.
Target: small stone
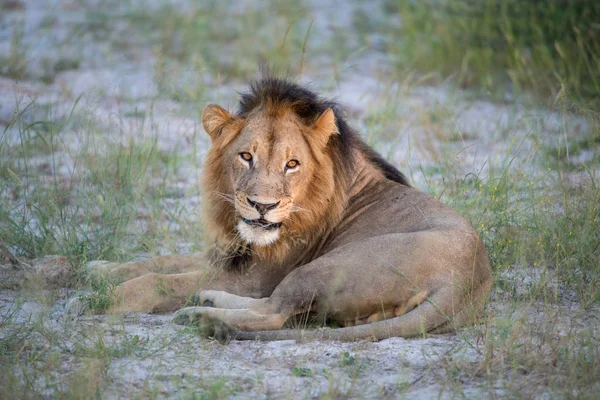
[(51, 271)]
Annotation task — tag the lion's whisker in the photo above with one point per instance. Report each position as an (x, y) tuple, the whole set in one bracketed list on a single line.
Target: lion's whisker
[(227, 197), (299, 208)]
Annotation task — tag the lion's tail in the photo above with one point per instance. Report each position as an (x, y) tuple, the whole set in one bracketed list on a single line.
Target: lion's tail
[(431, 315)]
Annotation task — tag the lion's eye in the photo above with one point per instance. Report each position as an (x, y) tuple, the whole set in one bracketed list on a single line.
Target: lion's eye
[(246, 157), (291, 164)]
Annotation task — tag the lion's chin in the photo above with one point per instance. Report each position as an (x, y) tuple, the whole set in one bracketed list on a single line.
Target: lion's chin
[(256, 234)]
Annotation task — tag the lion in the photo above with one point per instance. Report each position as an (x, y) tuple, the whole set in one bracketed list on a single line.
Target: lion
[(304, 217)]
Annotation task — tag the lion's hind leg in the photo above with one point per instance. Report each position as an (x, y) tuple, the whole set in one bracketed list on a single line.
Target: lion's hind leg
[(472, 310), (391, 312)]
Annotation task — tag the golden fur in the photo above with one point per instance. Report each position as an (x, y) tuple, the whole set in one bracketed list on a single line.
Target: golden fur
[(322, 203), (304, 217)]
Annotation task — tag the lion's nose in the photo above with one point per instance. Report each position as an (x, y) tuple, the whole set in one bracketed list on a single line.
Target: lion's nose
[(262, 208)]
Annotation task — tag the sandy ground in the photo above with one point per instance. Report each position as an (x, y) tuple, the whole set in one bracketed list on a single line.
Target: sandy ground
[(165, 360), (174, 362)]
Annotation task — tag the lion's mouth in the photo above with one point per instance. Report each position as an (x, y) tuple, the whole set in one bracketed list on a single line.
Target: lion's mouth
[(262, 223)]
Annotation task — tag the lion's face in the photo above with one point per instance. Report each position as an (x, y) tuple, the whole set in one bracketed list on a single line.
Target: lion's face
[(269, 165)]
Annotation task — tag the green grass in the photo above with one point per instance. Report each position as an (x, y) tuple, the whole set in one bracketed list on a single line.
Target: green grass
[(32, 355), (531, 212), (13, 65), (90, 211), (186, 40), (547, 48)]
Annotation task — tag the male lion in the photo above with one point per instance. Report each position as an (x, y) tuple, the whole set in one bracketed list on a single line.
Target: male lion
[(305, 217)]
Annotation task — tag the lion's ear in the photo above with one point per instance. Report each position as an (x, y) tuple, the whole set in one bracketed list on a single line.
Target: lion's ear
[(325, 126), (214, 118)]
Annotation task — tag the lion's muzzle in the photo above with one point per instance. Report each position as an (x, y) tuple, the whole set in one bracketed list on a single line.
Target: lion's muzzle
[(262, 223), (261, 217), (262, 208)]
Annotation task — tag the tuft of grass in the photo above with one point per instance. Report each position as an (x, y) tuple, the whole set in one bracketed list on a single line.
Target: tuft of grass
[(52, 67), (528, 352), (347, 359), (549, 48), (550, 223), (101, 297), (82, 200), (188, 44), (302, 372), (14, 65)]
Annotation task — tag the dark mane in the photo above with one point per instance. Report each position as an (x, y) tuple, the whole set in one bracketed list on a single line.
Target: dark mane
[(308, 106)]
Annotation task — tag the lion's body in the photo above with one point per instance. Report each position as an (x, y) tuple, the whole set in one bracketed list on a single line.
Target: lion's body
[(339, 233)]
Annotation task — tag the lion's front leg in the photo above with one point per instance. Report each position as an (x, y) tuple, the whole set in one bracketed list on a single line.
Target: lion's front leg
[(239, 319), (154, 293), (168, 292), (222, 312), (172, 264), (222, 299)]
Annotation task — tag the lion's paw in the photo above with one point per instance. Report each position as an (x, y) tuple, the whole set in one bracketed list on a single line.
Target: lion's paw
[(199, 300), (209, 325), (187, 315), (206, 298)]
